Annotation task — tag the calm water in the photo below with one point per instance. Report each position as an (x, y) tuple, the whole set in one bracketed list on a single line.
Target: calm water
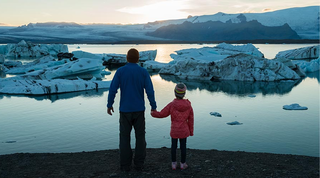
[(78, 121)]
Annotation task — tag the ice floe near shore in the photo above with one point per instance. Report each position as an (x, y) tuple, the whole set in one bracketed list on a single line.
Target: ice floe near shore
[(45, 87), (84, 68), (28, 49)]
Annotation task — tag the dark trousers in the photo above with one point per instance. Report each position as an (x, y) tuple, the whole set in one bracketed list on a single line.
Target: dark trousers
[(183, 148), (137, 121)]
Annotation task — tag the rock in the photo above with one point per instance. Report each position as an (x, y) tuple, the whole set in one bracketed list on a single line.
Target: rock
[(215, 114), (64, 55)]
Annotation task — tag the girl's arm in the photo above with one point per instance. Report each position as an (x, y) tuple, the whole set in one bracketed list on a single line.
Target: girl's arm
[(191, 122), (165, 112)]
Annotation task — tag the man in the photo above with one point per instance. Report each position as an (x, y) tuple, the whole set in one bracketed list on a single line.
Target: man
[(132, 81)]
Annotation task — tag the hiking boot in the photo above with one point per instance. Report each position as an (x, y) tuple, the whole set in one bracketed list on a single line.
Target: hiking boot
[(183, 166), (174, 165), (125, 168)]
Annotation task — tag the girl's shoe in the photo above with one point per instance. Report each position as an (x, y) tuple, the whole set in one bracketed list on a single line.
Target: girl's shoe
[(174, 165), (183, 166)]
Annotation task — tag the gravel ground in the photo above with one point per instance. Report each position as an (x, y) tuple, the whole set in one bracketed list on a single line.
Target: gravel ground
[(202, 163)]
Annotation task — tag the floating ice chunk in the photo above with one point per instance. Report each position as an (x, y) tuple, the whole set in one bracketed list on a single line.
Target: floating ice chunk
[(27, 49), (153, 65), (308, 67), (234, 123), (311, 52), (294, 106), (240, 67), (229, 49), (43, 87), (11, 141), (215, 114), (104, 72)]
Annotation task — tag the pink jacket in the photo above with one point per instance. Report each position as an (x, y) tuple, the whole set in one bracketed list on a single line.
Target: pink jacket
[(182, 118)]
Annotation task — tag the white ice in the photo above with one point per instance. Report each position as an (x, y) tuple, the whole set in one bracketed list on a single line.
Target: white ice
[(311, 52), (153, 66), (27, 49), (43, 87), (119, 59)]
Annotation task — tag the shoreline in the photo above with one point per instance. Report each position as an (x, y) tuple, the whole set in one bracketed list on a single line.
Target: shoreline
[(202, 163), (141, 41)]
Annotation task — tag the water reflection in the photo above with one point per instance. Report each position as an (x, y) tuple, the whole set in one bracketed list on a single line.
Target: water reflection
[(239, 88), (61, 96)]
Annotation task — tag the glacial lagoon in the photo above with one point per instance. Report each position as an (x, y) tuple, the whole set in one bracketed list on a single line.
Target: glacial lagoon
[(75, 122)]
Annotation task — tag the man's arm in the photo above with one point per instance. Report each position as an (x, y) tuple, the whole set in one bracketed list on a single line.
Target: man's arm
[(150, 92), (115, 83)]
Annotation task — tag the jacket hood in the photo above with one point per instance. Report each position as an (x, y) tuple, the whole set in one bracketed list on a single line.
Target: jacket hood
[(181, 105)]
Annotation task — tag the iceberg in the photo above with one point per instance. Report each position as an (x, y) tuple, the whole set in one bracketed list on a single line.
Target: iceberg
[(153, 66), (84, 68), (308, 67), (239, 67), (229, 49), (294, 106), (44, 62), (116, 59), (121, 59), (28, 49), (46, 87), (311, 52)]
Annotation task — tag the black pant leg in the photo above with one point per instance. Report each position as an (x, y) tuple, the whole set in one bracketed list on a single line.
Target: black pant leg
[(174, 145), (124, 145), (183, 147), (140, 132)]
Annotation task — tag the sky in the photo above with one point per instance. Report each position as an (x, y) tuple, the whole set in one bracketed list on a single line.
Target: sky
[(23, 12)]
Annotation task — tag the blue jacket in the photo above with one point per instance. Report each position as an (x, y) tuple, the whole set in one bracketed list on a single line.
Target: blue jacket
[(132, 80)]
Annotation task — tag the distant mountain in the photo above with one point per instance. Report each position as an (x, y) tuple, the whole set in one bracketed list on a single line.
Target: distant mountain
[(219, 31), (293, 23), (303, 20)]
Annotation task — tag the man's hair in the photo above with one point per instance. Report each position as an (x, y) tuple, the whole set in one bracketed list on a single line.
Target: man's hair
[(133, 55)]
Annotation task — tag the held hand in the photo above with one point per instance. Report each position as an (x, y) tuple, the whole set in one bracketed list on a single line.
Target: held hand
[(109, 111), (152, 110)]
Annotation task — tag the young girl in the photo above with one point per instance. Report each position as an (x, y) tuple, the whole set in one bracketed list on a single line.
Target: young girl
[(181, 123)]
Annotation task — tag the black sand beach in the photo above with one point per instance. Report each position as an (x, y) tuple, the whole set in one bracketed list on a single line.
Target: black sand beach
[(202, 163)]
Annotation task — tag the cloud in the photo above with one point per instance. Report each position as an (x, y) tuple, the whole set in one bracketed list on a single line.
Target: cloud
[(267, 10), (160, 10)]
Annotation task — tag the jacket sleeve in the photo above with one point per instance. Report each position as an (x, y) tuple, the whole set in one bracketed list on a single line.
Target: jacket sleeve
[(150, 91), (191, 122), (165, 112), (115, 84)]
